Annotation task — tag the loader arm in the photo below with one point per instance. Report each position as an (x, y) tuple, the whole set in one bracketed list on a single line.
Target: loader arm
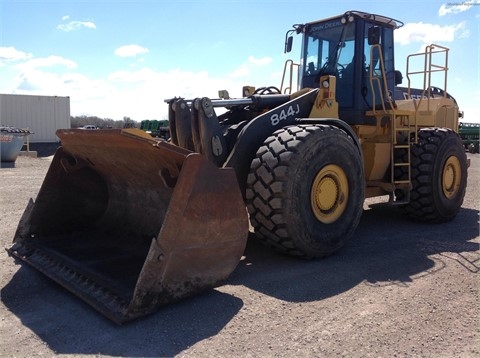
[(195, 126)]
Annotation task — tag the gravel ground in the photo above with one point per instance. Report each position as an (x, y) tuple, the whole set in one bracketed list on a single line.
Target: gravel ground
[(398, 289)]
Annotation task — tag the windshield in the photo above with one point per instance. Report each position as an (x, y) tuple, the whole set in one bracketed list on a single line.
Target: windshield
[(328, 47), (362, 64)]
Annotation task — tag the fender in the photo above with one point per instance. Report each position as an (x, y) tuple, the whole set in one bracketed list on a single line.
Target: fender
[(337, 123), (260, 128)]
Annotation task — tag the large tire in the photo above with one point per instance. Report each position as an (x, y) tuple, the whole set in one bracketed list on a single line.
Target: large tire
[(305, 190), (439, 176)]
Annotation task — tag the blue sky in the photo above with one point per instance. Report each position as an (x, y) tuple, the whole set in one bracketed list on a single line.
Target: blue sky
[(123, 58)]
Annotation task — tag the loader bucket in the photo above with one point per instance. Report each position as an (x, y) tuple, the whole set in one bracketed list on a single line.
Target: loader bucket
[(129, 224)]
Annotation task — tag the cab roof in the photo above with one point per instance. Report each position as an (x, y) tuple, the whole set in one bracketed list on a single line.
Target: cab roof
[(350, 15)]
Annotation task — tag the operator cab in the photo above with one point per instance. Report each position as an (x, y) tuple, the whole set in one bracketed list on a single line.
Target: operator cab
[(348, 47)]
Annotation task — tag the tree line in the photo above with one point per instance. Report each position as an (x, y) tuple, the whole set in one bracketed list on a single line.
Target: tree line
[(102, 123)]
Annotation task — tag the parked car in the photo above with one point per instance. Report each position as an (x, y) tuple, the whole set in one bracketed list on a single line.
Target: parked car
[(89, 126)]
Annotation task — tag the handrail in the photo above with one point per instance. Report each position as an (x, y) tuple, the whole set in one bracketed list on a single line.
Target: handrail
[(428, 68), (373, 78), (290, 64)]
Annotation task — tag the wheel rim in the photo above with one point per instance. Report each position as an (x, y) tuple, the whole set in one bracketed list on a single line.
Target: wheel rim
[(329, 194), (451, 177)]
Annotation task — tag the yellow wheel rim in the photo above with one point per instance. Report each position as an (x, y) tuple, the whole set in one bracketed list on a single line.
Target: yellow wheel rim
[(329, 194), (451, 177)]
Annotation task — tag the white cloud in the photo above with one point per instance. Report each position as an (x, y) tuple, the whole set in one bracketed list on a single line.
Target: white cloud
[(455, 8), (140, 94), (140, 75), (430, 33), (259, 61), (49, 61), (242, 71), (12, 54), (130, 51), (49, 75), (471, 111), (75, 25), (137, 92), (246, 68)]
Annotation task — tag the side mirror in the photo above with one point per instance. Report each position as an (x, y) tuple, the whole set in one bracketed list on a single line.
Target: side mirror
[(374, 35), (398, 77), (288, 44)]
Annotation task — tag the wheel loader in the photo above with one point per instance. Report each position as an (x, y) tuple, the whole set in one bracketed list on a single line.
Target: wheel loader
[(129, 223)]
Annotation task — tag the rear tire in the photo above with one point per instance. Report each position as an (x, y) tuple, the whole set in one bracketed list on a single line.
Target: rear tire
[(305, 190), (439, 176)]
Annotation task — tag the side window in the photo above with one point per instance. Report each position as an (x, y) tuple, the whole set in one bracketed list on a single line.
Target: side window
[(371, 54), (373, 65), (346, 69), (389, 57), (312, 56), (326, 50), (347, 53), (317, 55)]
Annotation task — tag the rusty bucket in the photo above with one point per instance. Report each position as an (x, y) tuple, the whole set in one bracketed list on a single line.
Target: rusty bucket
[(128, 223)]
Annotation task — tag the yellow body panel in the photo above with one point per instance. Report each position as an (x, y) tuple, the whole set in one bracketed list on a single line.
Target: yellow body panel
[(433, 112), (325, 105), (376, 160)]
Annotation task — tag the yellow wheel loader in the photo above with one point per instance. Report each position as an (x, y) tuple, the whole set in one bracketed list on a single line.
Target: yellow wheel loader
[(129, 223)]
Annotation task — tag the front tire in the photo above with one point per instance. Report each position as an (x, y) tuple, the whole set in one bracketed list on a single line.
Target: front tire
[(305, 190), (439, 176)]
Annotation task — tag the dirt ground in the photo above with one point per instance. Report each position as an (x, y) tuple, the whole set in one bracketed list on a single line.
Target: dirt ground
[(398, 289)]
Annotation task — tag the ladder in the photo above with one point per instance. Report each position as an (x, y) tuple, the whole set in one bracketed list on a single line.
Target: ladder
[(400, 155), (403, 124)]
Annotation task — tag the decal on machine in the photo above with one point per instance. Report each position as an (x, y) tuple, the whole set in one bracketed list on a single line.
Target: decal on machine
[(291, 111)]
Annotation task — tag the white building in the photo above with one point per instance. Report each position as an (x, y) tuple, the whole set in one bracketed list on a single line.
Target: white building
[(42, 115)]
